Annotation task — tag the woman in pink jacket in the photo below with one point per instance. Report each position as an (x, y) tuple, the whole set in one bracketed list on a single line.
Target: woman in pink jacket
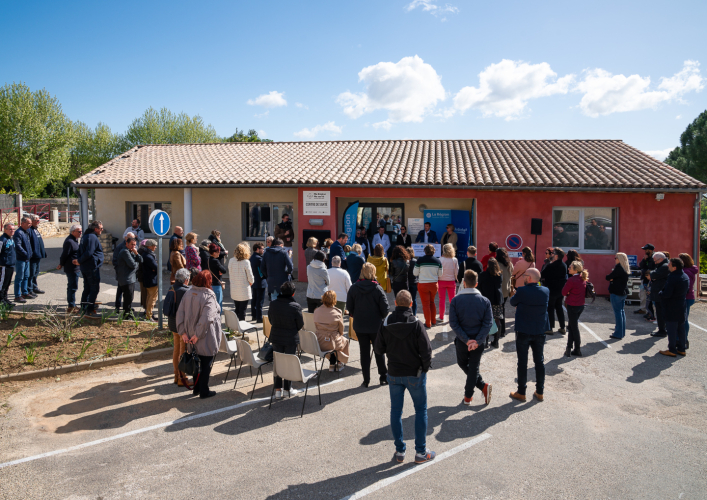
[(692, 271), (520, 267), (574, 292)]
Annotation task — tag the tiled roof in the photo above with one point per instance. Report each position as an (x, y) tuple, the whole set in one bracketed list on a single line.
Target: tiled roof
[(597, 164)]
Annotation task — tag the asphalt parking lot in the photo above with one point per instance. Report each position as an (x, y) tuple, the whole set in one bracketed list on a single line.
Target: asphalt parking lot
[(621, 422)]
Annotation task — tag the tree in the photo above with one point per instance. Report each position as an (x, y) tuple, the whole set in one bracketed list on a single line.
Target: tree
[(35, 138), (241, 136), (93, 148), (691, 156), (165, 127)]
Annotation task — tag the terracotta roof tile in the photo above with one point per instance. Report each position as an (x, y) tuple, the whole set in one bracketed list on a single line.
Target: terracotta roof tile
[(594, 164)]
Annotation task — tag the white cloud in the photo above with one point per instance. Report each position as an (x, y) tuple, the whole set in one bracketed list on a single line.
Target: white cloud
[(272, 100), (506, 87), (384, 125), (660, 154), (261, 133), (431, 7), (307, 133), (300, 105), (408, 90), (605, 93), (262, 115), (678, 117)]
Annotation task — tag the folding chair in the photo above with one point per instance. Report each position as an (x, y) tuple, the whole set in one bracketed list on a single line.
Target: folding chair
[(233, 323), (231, 348), (288, 367), (245, 354), (309, 321), (310, 344)]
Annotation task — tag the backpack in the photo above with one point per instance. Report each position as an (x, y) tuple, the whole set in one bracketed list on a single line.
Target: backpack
[(169, 305), (589, 292)]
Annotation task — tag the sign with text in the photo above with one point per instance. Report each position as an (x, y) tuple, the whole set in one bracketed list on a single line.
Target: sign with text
[(632, 260), (350, 219), (316, 202), (439, 219), (419, 249), (415, 225)]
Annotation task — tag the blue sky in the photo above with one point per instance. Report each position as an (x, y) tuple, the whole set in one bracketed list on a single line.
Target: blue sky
[(372, 70)]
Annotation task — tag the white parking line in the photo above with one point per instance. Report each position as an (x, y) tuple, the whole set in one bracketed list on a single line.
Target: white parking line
[(692, 324), (388, 481), (145, 429), (589, 330)]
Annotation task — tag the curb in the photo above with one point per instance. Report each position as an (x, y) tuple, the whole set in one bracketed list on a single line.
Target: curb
[(86, 365)]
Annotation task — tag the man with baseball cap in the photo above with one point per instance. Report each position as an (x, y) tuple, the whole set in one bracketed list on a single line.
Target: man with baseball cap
[(646, 266), (658, 279)]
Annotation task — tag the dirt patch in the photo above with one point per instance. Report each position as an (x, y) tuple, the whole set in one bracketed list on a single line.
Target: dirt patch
[(31, 343)]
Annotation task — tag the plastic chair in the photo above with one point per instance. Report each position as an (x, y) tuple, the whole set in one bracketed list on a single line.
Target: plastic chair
[(245, 355), (233, 323), (231, 348), (310, 344), (309, 321), (288, 367), (266, 327)]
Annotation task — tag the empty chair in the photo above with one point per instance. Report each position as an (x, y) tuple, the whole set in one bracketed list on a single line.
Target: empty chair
[(309, 321), (288, 367), (231, 348), (245, 356), (234, 324), (310, 344)]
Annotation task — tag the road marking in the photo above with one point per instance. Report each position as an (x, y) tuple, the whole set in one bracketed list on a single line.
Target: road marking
[(145, 429), (692, 324), (417, 468), (589, 330)]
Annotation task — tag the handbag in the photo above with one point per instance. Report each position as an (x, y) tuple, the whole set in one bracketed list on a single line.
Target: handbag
[(266, 351), (589, 292), (189, 363), (388, 286), (494, 327)]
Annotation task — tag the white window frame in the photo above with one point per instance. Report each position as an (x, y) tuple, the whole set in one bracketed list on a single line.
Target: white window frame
[(580, 248), (273, 223)]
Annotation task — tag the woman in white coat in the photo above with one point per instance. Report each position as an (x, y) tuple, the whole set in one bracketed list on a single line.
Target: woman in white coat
[(241, 279)]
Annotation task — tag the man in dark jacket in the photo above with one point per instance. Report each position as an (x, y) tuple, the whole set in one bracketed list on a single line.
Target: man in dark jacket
[(355, 262), (90, 261), (7, 261), (337, 249), (427, 235), (286, 320), (117, 263), (259, 283), (362, 240), (368, 306), (646, 265), (471, 263), (38, 253), (672, 298), (180, 287), (554, 277), (471, 317), (126, 272), (69, 254), (276, 267), (405, 342), (531, 324), (150, 275), (23, 254), (658, 279)]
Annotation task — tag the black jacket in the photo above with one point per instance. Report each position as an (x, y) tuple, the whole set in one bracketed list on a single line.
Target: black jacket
[(142, 251), (222, 255), (405, 241), (35, 239), (658, 279), (23, 247), (179, 290), (90, 252), (554, 276), (412, 279), (354, 264), (259, 280), (217, 270), (490, 287), (470, 263), (403, 338), (370, 300), (128, 264), (7, 250), (618, 279), (116, 252), (646, 265), (399, 271), (673, 296), (204, 256), (276, 267), (286, 319), (149, 269)]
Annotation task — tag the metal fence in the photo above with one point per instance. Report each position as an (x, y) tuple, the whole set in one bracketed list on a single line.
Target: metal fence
[(12, 215)]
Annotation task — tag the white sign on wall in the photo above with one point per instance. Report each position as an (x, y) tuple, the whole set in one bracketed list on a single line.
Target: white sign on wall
[(419, 249), (415, 225), (316, 203)]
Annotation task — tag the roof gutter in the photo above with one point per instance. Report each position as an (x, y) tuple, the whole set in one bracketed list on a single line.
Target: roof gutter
[(413, 186)]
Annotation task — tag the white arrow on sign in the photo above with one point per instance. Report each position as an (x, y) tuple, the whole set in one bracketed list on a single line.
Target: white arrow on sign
[(162, 223)]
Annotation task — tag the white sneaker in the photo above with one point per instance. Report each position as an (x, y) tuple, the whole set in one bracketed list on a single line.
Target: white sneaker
[(278, 393), (293, 392), (340, 367)]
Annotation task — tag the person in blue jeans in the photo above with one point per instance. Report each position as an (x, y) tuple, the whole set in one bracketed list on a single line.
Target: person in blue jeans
[(531, 324), (38, 253), (23, 254), (618, 279), (90, 260), (691, 270), (403, 340)]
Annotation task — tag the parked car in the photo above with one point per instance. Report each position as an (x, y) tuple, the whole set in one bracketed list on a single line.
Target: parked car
[(76, 217)]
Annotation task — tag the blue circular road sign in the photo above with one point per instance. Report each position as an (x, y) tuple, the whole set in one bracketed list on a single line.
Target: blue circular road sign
[(159, 222)]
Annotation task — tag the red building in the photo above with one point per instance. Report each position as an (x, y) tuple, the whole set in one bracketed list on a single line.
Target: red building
[(633, 198)]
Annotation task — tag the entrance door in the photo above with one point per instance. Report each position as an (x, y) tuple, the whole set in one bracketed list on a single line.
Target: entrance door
[(388, 215)]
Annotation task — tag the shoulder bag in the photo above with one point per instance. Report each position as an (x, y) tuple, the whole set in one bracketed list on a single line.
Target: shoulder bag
[(223, 285)]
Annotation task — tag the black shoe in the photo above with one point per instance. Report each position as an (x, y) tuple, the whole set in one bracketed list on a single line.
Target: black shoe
[(365, 384), (639, 311), (562, 330), (568, 351), (577, 353), (209, 394), (37, 290), (384, 381), (615, 337), (687, 344), (29, 296), (195, 391), (494, 344), (659, 334), (20, 300)]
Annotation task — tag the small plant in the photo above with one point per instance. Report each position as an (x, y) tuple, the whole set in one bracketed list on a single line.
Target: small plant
[(58, 356), (136, 321), (119, 320), (5, 309), (84, 347), (24, 313), (60, 325), (126, 344), (31, 353), (13, 335), (106, 316), (109, 351)]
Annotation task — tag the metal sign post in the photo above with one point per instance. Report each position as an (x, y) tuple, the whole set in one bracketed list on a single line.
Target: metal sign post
[(159, 225)]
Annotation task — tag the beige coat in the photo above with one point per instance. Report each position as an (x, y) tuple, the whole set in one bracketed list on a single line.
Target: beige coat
[(506, 273), (330, 331), (177, 261), (200, 315)]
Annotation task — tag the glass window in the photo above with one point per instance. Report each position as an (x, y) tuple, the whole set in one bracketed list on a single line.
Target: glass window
[(141, 210), (261, 218), (586, 229)]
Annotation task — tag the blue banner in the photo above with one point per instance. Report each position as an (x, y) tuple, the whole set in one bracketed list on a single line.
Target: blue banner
[(439, 219), (350, 219)]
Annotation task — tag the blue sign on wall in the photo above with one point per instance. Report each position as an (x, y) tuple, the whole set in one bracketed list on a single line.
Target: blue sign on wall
[(632, 260), (350, 219), (439, 219)]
